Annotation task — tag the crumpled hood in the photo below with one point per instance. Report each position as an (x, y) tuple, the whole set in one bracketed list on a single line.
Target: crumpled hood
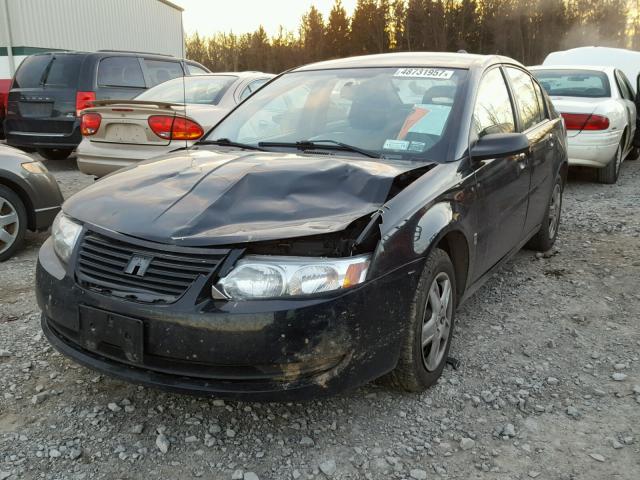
[(200, 197)]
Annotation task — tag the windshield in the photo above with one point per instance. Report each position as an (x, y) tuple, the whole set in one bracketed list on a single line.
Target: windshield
[(206, 90), (574, 83), (395, 112)]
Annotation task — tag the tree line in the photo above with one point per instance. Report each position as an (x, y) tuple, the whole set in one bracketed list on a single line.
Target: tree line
[(526, 30)]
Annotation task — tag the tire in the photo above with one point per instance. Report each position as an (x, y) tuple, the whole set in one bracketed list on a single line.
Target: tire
[(610, 173), (13, 223), (633, 154), (55, 153), (546, 236), (416, 369)]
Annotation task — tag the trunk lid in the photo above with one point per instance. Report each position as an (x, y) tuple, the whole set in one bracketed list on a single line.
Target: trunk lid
[(127, 121), (583, 105)]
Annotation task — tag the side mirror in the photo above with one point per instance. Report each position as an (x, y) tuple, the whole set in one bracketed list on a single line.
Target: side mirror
[(497, 145)]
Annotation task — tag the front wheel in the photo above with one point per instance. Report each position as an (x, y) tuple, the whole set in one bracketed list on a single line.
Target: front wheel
[(13, 223), (429, 331), (55, 153), (546, 236)]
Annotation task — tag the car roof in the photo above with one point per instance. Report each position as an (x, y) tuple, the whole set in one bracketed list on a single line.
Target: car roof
[(595, 68), (412, 59), (116, 53)]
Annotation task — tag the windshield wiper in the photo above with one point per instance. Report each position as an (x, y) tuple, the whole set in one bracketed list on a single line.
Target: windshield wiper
[(309, 144), (225, 142)]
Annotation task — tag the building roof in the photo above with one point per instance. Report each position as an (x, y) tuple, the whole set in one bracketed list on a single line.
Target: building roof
[(172, 5)]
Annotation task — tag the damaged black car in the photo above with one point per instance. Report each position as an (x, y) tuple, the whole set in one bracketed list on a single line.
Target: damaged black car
[(319, 237)]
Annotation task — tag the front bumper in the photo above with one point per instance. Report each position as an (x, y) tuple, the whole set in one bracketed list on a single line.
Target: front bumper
[(260, 350), (593, 149)]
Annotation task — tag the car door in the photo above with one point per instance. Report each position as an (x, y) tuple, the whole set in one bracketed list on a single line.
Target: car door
[(627, 98), (534, 122), (503, 183)]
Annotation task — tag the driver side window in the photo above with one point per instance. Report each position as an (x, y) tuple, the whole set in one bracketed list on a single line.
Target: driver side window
[(493, 112)]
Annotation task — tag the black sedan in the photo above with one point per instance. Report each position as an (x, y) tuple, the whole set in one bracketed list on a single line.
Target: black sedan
[(320, 236), (29, 199)]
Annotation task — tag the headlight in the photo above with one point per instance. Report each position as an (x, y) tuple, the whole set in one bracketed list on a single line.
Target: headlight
[(268, 276), (64, 233), (34, 167)]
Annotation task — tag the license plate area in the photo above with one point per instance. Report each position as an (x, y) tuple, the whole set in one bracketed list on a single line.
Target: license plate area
[(35, 109), (111, 334), (125, 133)]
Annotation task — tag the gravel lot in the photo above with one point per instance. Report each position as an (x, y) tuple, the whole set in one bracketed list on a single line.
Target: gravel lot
[(548, 386)]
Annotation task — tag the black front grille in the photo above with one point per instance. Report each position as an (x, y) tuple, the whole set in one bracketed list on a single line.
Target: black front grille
[(102, 262)]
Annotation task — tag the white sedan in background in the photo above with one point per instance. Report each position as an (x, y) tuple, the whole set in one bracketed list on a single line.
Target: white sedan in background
[(599, 112), (174, 114)]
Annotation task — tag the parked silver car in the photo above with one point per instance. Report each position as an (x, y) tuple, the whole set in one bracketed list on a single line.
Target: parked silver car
[(171, 115)]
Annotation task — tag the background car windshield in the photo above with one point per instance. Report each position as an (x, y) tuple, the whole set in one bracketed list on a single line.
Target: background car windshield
[(574, 83), (207, 90), (392, 112)]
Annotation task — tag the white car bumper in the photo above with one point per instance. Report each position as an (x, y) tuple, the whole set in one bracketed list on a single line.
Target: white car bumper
[(593, 149)]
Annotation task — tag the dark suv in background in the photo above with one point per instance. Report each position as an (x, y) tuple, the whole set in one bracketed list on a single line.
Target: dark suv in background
[(50, 89)]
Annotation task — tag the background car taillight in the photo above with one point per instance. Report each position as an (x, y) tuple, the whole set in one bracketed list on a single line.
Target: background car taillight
[(585, 121), (90, 123), (84, 100), (175, 128)]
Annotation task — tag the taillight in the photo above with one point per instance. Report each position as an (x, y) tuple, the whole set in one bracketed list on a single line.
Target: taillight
[(585, 121), (90, 123), (84, 100), (175, 128)]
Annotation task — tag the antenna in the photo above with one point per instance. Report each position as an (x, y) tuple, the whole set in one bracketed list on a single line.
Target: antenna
[(185, 68)]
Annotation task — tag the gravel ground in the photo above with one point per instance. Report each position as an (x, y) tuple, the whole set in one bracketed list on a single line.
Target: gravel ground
[(548, 386)]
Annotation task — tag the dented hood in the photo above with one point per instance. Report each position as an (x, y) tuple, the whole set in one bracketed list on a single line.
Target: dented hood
[(202, 197)]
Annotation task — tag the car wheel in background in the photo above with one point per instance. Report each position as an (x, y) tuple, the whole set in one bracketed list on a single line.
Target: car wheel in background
[(633, 154), (13, 222), (55, 153), (546, 236), (610, 173), (428, 336)]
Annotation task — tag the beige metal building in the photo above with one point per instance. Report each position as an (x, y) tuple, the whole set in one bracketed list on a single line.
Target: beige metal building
[(32, 26)]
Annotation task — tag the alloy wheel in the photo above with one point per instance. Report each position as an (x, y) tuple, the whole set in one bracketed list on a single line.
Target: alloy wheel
[(555, 204), (9, 224), (436, 323)]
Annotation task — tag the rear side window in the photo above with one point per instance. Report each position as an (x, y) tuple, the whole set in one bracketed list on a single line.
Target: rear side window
[(120, 72), (160, 71), (252, 87), (196, 70), (541, 100), (526, 98), (493, 112), (30, 74), (626, 91), (64, 71)]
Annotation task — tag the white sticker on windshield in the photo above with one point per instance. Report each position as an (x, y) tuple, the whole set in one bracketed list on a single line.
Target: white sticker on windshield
[(424, 73), (396, 145)]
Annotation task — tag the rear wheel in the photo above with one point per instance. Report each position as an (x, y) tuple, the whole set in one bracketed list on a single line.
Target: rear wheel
[(428, 336), (13, 223), (633, 154), (610, 173), (55, 153), (546, 236)]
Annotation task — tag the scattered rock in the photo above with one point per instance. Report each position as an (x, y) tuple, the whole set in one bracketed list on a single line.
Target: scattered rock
[(418, 474), (162, 442), (619, 376), (467, 443), (250, 476), (328, 467), (597, 457)]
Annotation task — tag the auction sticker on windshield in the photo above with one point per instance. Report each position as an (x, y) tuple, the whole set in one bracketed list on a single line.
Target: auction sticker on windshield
[(424, 73)]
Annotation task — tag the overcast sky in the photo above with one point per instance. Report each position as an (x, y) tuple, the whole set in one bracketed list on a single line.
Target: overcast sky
[(211, 16)]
